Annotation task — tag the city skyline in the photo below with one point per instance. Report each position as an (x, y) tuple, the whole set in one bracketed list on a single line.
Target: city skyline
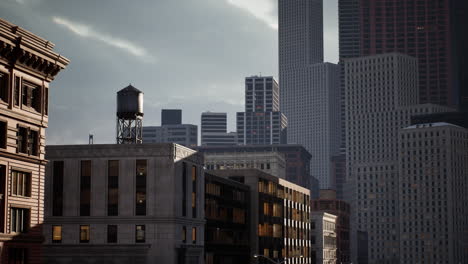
[(163, 68)]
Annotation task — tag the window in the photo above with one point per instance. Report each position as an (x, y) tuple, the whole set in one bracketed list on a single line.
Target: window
[(46, 101), (32, 96), (84, 233), (112, 234), (85, 188), (113, 188), (194, 191), (19, 220), (140, 234), (56, 234), (17, 256), (194, 235), (28, 141), (184, 189), (140, 185), (184, 234), (21, 183), (3, 134), (4, 87), (57, 187), (17, 90)]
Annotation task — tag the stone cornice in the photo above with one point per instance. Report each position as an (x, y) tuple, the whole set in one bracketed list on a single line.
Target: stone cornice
[(28, 52)]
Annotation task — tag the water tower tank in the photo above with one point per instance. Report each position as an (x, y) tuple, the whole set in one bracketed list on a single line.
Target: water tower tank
[(129, 102)]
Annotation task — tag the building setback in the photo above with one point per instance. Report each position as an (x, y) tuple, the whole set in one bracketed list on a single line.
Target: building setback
[(262, 122), (329, 203), (433, 191), (214, 130), (28, 64), (291, 162), (381, 96), (280, 212), (134, 203), (227, 213)]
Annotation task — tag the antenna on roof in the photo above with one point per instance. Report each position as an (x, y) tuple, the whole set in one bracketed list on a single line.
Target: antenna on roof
[(91, 139)]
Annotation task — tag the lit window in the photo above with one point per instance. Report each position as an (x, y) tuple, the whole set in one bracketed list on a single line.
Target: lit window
[(84, 234), (194, 235), (56, 234), (140, 234)]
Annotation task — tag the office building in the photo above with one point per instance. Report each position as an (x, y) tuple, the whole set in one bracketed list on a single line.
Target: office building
[(329, 203), (433, 193), (323, 228), (171, 117), (339, 174), (214, 130), (262, 123), (381, 97), (455, 118), (227, 213), (310, 89), (134, 203), (290, 162), (280, 212), (184, 134), (430, 31), (28, 64)]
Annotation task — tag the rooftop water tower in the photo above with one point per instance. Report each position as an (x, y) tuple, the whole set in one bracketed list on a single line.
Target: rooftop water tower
[(129, 116)]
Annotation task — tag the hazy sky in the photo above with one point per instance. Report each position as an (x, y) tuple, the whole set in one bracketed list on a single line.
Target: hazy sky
[(187, 54)]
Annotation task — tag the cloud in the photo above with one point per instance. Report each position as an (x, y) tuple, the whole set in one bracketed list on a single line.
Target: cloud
[(263, 10), (86, 31)]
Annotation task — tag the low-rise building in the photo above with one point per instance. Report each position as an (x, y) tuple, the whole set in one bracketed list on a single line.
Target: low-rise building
[(279, 216), (329, 203), (128, 203), (182, 134), (227, 213), (323, 239)]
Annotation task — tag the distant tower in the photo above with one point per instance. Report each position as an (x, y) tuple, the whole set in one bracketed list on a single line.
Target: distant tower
[(129, 116)]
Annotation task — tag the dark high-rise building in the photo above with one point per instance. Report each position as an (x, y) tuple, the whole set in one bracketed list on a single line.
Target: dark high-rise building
[(171, 117), (459, 16), (262, 122), (428, 30)]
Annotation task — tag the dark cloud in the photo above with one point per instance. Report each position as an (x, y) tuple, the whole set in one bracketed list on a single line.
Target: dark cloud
[(200, 51)]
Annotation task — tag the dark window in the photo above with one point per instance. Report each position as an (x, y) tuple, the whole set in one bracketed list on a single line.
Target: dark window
[(19, 220), (3, 134), (140, 234), (184, 189), (85, 188), (111, 234), (21, 183), (4, 87), (46, 101), (140, 187), (17, 256), (17, 90), (194, 191), (57, 187), (56, 234), (28, 141), (32, 96), (113, 188), (84, 233), (184, 234)]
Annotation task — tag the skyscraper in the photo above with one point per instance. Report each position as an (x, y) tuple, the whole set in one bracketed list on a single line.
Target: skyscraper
[(381, 97), (427, 30), (171, 117), (214, 130), (310, 89), (262, 122)]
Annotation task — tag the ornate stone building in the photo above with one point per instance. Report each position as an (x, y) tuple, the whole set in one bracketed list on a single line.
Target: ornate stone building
[(27, 66)]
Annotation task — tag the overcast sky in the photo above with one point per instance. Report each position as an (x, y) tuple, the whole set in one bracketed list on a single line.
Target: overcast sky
[(187, 54)]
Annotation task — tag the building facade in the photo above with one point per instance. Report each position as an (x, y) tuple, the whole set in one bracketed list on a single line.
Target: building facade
[(214, 130), (171, 117), (290, 162), (280, 214), (227, 213), (381, 96), (28, 64), (136, 203), (262, 122), (433, 193), (183, 134), (329, 203), (323, 238)]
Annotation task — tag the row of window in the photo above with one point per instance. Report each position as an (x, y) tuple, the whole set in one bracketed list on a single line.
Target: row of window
[(112, 233), (27, 139), (25, 94)]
